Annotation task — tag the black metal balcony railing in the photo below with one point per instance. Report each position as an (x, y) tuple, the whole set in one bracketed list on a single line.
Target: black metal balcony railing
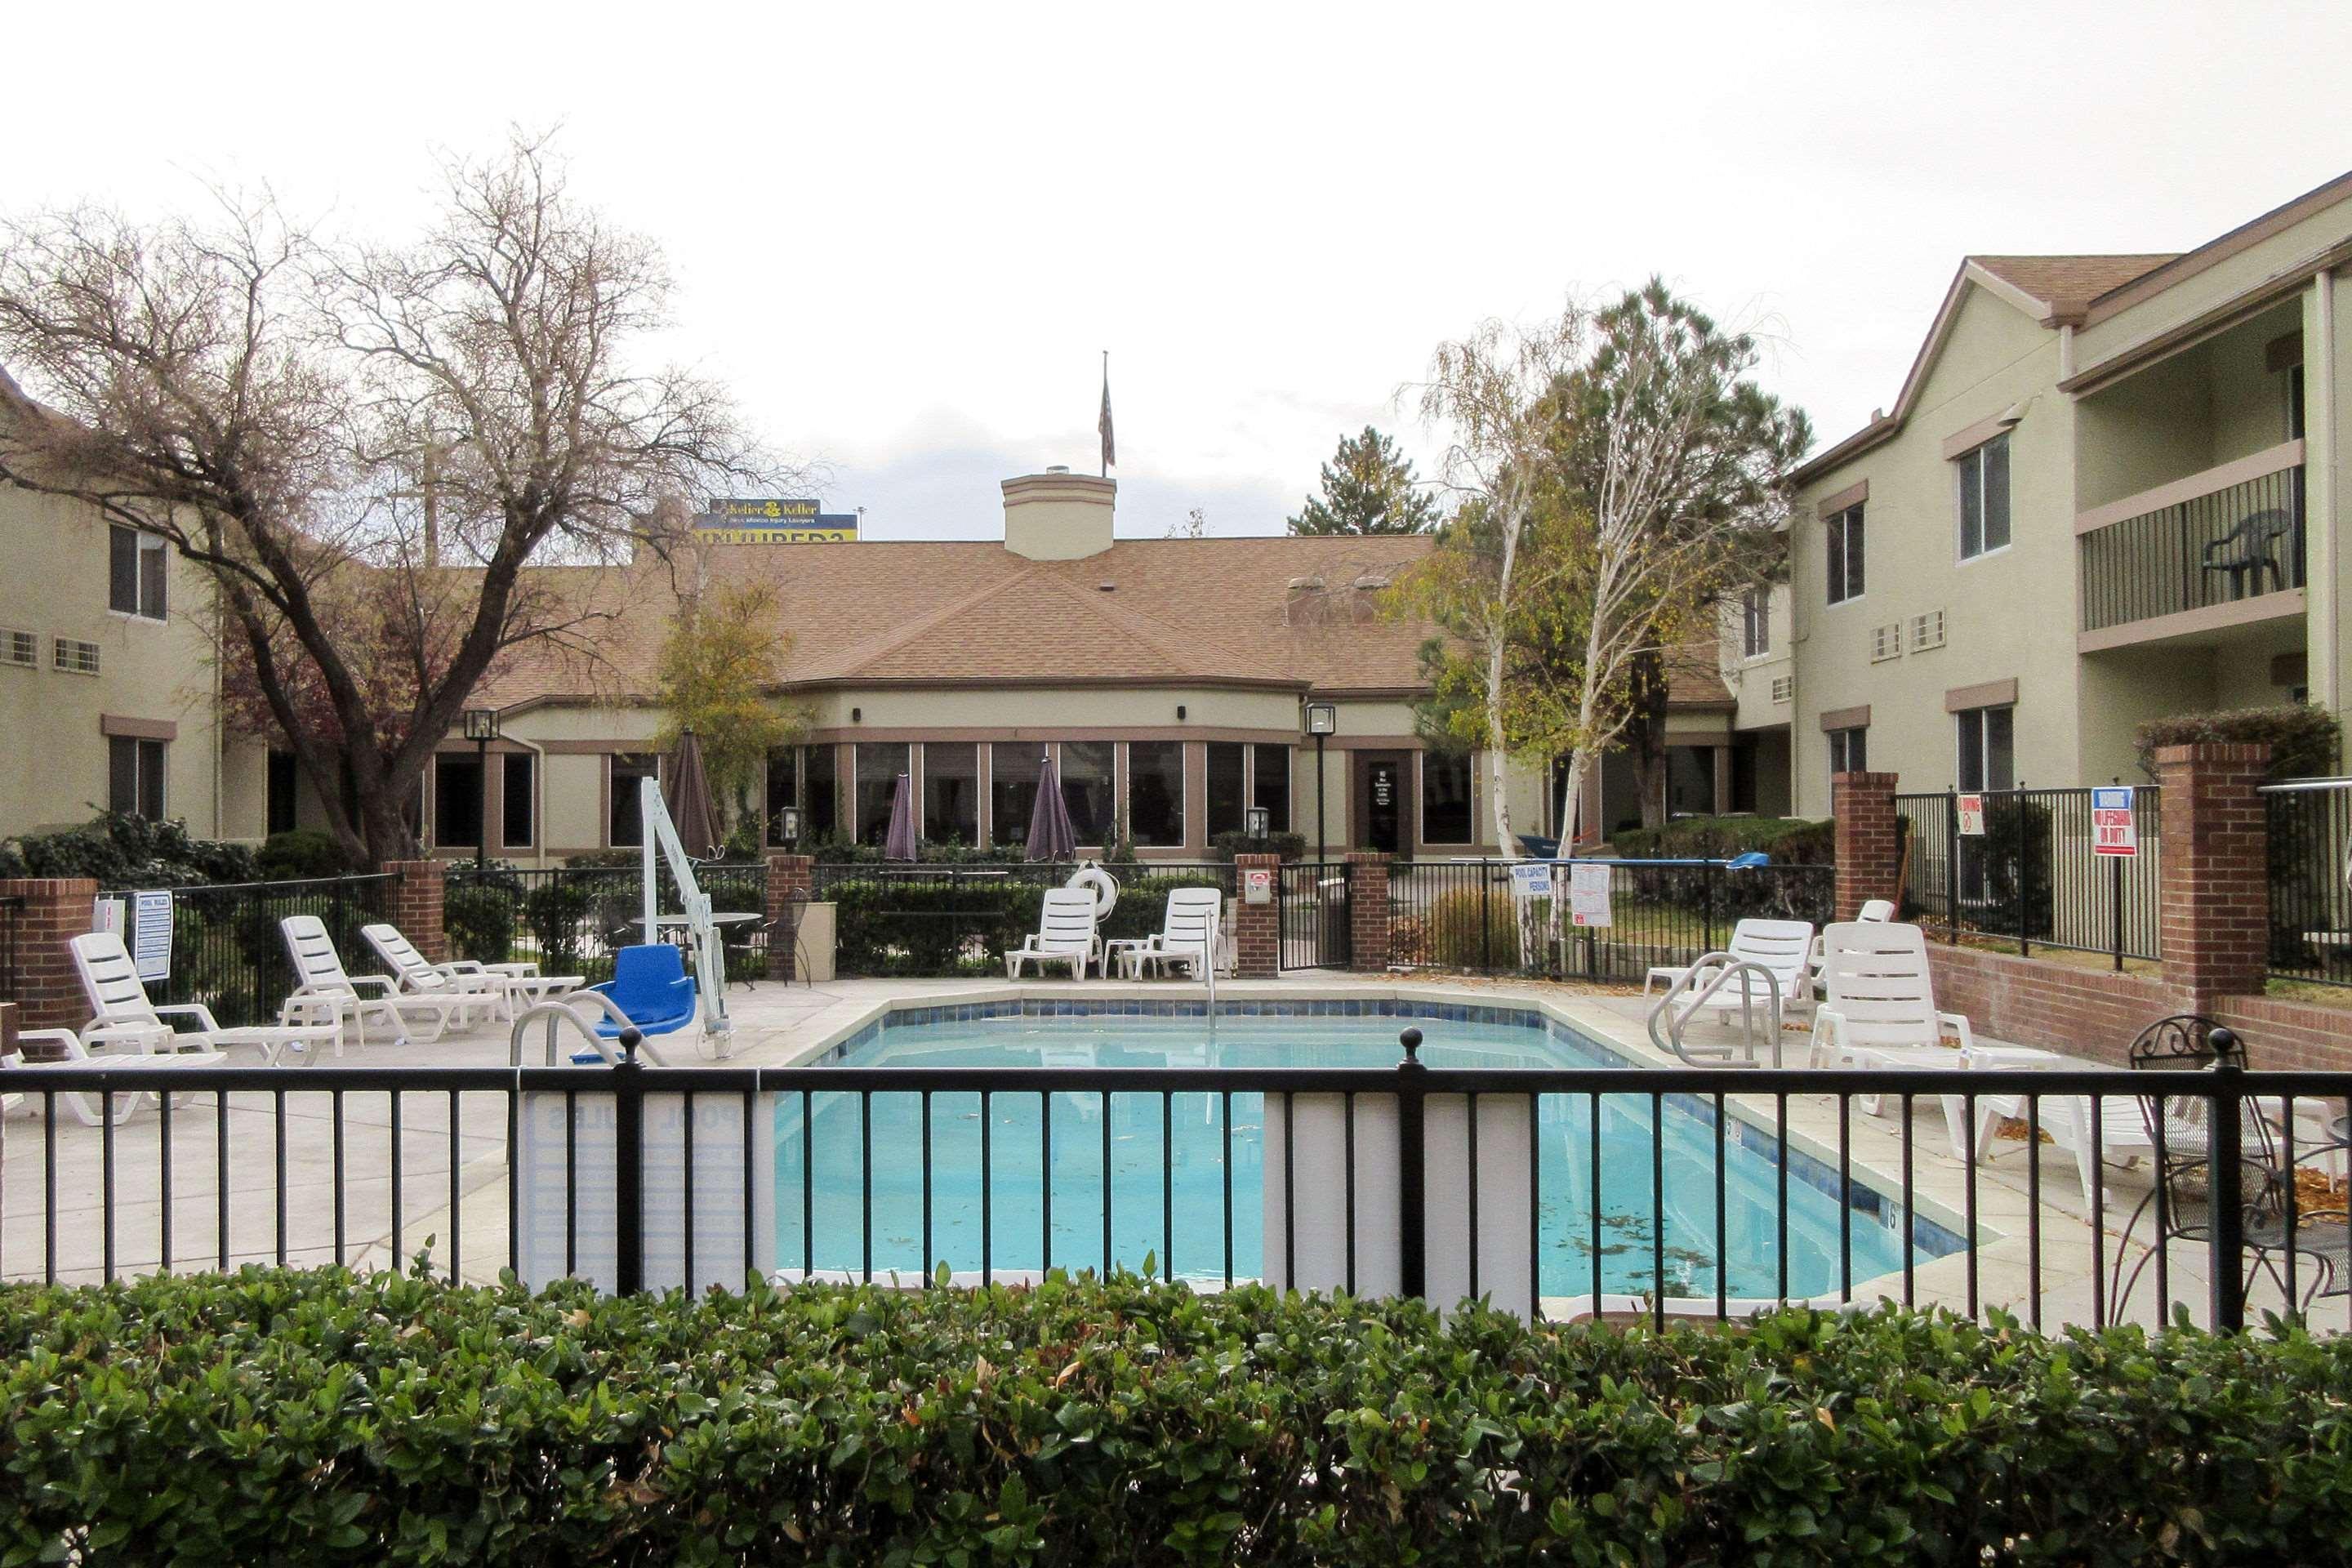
[(2237, 541)]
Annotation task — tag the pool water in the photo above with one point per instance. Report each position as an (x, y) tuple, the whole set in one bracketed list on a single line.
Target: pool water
[(821, 1172)]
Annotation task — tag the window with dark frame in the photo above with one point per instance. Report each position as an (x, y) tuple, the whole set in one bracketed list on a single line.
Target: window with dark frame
[(1087, 786), (517, 802), (457, 801), (282, 811), (952, 792), (1756, 622), (1845, 534), (1984, 498), (820, 794), (878, 765), (1155, 792), (1270, 784), (1014, 769), (1986, 748), (624, 828), (1225, 802), (783, 789), (134, 776), (1445, 798), (136, 568), (1850, 751)]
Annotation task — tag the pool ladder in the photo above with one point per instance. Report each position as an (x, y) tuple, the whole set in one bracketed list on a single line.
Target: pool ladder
[(555, 1013), (1666, 1021)]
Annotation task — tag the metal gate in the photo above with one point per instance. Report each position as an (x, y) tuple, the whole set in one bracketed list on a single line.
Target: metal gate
[(1311, 904)]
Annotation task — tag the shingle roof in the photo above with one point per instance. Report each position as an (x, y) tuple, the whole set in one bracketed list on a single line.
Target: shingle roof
[(2067, 284)]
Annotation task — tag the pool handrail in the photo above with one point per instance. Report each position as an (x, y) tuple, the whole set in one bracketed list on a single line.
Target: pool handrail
[(1716, 968)]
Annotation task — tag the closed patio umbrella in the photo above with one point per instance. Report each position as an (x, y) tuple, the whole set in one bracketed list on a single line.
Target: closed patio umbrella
[(690, 807), (901, 844), (1051, 835)]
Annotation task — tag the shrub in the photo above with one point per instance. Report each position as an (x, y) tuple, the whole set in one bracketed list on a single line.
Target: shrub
[(925, 926), (1790, 841), (1450, 933), (302, 852), (322, 1417), (1234, 841), (2303, 739), (606, 860), (479, 918), (121, 851)]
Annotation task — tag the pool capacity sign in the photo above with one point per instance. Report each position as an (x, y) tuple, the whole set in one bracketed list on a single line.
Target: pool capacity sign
[(2113, 831), (773, 520)]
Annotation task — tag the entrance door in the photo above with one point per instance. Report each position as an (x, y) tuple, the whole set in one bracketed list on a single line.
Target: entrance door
[(1382, 823)]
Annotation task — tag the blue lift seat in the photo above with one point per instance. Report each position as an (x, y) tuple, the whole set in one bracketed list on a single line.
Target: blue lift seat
[(650, 985)]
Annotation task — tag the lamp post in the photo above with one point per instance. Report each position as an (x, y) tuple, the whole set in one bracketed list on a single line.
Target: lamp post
[(788, 826), (482, 728), (1322, 721)]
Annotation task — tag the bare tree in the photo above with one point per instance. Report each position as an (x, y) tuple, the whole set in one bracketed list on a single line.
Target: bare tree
[(413, 430)]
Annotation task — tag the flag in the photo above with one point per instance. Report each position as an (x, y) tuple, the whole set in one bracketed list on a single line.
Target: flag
[(1109, 448)]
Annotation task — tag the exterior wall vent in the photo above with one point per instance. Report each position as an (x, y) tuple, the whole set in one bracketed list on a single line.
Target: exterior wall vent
[(1886, 642), (1927, 631), (1784, 689), (74, 656), (20, 648)]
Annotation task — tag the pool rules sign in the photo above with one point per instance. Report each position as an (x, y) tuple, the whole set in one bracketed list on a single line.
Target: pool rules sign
[(2113, 831)]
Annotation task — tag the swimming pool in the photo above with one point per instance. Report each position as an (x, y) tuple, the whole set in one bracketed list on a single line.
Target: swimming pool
[(823, 1171)]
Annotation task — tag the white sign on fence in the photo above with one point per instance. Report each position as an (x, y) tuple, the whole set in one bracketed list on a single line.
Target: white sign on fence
[(1258, 887), (151, 934), (1588, 894), (2112, 830), (1531, 879), (1970, 810)]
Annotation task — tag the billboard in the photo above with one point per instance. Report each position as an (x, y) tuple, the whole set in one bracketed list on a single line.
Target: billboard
[(773, 520)]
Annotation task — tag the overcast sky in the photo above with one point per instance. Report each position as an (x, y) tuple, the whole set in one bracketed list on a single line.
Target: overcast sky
[(905, 237)]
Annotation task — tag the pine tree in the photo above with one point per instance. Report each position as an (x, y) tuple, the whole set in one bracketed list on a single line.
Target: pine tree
[(1368, 488)]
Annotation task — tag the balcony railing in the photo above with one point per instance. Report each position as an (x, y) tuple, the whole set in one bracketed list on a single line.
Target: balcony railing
[(2198, 547)]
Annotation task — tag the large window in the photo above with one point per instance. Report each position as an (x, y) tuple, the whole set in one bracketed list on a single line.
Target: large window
[(879, 763), (1445, 798), (1844, 532), (952, 792), (517, 802), (135, 573), (1690, 780), (1988, 748), (457, 801), (1012, 770), (1270, 784), (1850, 751), (1756, 622), (1155, 792), (1224, 780), (134, 776), (624, 828), (820, 794), (284, 775), (1086, 785), (783, 790), (1984, 498)]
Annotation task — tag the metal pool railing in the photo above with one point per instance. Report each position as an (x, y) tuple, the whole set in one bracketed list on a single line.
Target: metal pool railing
[(2307, 826), (910, 917), (569, 919), (2031, 877), (1689, 1190), (227, 949)]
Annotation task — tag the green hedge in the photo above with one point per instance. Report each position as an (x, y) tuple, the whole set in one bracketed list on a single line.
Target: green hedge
[(1788, 840), (2303, 740), (913, 925), (323, 1418)]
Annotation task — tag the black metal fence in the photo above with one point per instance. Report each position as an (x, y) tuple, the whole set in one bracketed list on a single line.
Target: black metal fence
[(228, 953), (571, 919), (918, 920), (1582, 1190), (2308, 834), (1467, 915), (1316, 901), (2233, 544), (11, 947), (2031, 876)]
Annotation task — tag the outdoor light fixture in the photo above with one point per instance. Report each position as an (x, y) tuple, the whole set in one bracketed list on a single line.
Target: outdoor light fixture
[(1258, 820), (856, 715), (482, 724), (1322, 722), (482, 728), (788, 826), (1322, 719), (1179, 713)]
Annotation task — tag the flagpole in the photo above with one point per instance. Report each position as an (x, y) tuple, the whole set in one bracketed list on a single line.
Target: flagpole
[(1104, 467)]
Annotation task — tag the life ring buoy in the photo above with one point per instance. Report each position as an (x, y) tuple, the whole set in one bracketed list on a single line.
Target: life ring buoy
[(1105, 886)]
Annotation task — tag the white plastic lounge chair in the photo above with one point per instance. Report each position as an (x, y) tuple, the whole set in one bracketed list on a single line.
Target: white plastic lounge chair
[(2124, 1136), (1782, 949), (505, 988), (1065, 933), (1880, 1006), (120, 1011), (90, 1108), (1873, 912), (1187, 929), (319, 970)]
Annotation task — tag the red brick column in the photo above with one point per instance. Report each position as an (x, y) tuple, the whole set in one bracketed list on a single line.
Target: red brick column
[(2214, 925), (1868, 838), (786, 874), (55, 910), (415, 905), (1368, 912), (1257, 928)]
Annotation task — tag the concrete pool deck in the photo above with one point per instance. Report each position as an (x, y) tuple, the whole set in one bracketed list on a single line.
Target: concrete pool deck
[(459, 1172)]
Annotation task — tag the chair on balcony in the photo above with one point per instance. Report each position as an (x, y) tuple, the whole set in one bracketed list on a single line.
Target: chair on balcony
[(2250, 550)]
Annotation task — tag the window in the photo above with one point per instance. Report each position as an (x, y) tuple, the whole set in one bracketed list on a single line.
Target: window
[(1012, 771), (457, 801), (283, 813), (73, 655), (783, 789), (820, 794), (1087, 786), (2294, 403), (878, 765), (1927, 631), (135, 576), (1271, 786), (134, 777), (20, 648), (1155, 792), (1984, 498), (952, 792), (1756, 622), (1690, 780), (1445, 798), (1226, 793), (518, 814), (1850, 751), (1988, 748), (624, 828), (1843, 533)]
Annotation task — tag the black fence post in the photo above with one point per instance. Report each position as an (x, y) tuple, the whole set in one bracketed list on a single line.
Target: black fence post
[(1485, 921), (2025, 872), (2224, 1176), (629, 1168), (1951, 865), (1412, 1218), (2115, 897)]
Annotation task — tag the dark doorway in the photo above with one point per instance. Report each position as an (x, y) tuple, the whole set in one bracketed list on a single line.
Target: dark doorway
[(1383, 820)]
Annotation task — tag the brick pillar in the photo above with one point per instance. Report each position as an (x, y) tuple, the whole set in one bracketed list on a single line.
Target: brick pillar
[(786, 874), (2214, 925), (56, 910), (415, 905), (1368, 912), (1257, 928), (1869, 844)]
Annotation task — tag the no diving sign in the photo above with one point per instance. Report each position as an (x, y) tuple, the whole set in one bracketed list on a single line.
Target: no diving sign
[(2112, 830)]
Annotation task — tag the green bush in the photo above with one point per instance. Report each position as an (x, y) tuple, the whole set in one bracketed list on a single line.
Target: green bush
[(479, 918), (1450, 933), (1790, 841), (2303, 739), (324, 1417), (121, 851), (300, 852), (904, 925), (1234, 841)]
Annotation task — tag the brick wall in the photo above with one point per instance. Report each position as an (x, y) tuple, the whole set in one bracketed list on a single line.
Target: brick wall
[(415, 905), (786, 873), (2069, 1007), (1257, 928), (1367, 913), (2214, 904), (1867, 844), (57, 910), (2290, 1035)]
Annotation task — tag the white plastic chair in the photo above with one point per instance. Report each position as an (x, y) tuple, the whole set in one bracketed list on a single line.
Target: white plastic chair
[(87, 1107), (320, 971), (1873, 912), (120, 1011), (505, 988), (1782, 949), (1880, 1005), (1065, 933), (1188, 927)]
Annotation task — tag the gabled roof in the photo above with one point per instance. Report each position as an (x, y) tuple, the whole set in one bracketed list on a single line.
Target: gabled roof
[(2064, 286)]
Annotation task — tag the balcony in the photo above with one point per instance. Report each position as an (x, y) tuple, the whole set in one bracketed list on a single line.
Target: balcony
[(2220, 549)]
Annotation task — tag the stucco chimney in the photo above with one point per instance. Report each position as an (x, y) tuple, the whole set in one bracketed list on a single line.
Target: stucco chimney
[(1058, 515)]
